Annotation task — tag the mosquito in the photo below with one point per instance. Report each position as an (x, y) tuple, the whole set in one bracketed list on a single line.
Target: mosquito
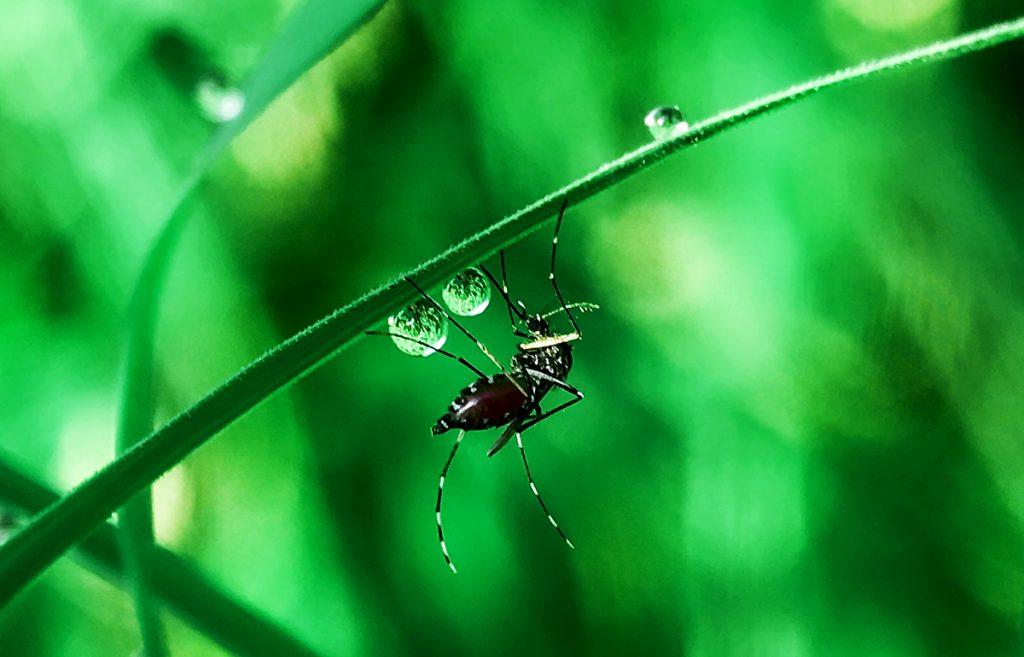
[(512, 397)]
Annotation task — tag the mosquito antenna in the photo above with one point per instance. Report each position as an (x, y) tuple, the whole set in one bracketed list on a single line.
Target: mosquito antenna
[(440, 493), (554, 280), (582, 306), (533, 487), (431, 347)]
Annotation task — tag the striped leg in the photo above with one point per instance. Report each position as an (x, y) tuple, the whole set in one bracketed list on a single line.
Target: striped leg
[(440, 492), (437, 350), (542, 376), (514, 311), (504, 288), (536, 493), (551, 275)]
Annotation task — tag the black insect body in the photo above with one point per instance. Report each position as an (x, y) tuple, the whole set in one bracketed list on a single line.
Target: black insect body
[(512, 398), (486, 403), (495, 401)]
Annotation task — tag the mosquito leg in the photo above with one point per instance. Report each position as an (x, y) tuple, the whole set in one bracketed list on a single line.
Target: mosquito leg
[(551, 276), (504, 290), (505, 436), (440, 493), (578, 394), (424, 344), (504, 287), (514, 312), (536, 493), (533, 409), (543, 416)]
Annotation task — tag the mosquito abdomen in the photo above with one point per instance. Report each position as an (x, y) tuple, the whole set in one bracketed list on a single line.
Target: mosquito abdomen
[(443, 424), (486, 403)]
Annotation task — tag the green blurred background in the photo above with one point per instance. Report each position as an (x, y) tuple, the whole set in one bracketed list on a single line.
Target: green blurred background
[(802, 427)]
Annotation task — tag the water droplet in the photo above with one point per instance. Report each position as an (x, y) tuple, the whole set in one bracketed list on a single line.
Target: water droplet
[(468, 293), (219, 101), (665, 122), (421, 321)]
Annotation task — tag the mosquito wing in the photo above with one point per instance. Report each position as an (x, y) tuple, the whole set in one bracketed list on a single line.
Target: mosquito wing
[(505, 436)]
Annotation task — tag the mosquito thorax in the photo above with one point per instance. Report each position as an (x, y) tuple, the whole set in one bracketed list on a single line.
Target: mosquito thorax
[(551, 355)]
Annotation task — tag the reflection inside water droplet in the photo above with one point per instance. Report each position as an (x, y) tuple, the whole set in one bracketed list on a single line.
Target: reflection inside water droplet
[(666, 121), (468, 293), (420, 321), (219, 102)]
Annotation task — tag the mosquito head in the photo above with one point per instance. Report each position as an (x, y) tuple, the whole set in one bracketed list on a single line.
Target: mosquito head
[(538, 325)]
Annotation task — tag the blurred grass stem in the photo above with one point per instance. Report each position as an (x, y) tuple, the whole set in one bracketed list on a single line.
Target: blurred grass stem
[(179, 586)]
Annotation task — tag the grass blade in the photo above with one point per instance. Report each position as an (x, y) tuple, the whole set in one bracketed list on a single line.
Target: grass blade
[(312, 30), (181, 588), (62, 524)]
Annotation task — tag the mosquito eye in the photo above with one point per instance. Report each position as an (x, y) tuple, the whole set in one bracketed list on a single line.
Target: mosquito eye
[(468, 293)]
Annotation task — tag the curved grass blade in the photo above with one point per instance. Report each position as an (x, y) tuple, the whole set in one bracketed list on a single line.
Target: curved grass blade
[(62, 524), (311, 31), (181, 588)]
